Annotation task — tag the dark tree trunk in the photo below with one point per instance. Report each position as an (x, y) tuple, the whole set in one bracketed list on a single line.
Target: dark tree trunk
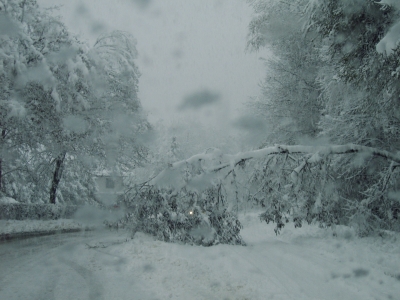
[(57, 177), (3, 136), (1, 175)]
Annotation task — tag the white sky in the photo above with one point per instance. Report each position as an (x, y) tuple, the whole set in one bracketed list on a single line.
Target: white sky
[(184, 46)]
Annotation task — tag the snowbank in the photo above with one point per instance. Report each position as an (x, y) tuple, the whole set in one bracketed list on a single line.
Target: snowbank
[(306, 263), (8, 200), (10, 210), (10, 229), (84, 218)]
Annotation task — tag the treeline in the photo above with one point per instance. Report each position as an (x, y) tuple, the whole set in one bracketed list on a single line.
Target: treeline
[(332, 78), (66, 108)]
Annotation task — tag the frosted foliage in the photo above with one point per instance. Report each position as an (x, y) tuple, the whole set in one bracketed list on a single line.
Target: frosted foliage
[(326, 82), (65, 107), (395, 3), (395, 195), (8, 200), (186, 202), (390, 41), (16, 109), (75, 124), (292, 183), (40, 73), (8, 26), (170, 177)]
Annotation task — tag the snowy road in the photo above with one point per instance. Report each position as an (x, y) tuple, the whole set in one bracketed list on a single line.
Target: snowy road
[(64, 267), (298, 265)]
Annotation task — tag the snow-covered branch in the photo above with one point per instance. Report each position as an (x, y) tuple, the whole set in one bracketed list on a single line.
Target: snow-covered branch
[(211, 163), (318, 153)]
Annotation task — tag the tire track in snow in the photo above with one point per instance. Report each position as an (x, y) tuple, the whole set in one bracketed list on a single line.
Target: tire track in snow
[(94, 286)]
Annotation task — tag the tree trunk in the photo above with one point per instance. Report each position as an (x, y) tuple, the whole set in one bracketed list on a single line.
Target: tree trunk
[(1, 175), (3, 136), (57, 176)]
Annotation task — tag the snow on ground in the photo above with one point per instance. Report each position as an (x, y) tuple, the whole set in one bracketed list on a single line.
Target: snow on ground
[(86, 218), (306, 263), (8, 200), (14, 227)]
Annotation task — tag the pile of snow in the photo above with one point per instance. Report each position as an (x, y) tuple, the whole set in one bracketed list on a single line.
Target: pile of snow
[(86, 218), (8, 200), (10, 227)]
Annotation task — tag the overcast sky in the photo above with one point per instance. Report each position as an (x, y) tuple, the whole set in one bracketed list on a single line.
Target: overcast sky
[(187, 50)]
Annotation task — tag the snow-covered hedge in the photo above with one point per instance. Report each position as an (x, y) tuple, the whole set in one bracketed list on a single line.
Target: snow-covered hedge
[(23, 211)]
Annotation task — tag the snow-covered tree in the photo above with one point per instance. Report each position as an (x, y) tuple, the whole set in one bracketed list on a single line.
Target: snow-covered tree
[(359, 85), (61, 102), (123, 123), (359, 94), (196, 200), (340, 47), (292, 70)]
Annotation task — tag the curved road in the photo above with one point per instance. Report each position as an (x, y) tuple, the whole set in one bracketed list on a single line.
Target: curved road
[(106, 265), (65, 266)]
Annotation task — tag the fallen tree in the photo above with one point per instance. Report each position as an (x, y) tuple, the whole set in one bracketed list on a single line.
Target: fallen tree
[(196, 200)]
